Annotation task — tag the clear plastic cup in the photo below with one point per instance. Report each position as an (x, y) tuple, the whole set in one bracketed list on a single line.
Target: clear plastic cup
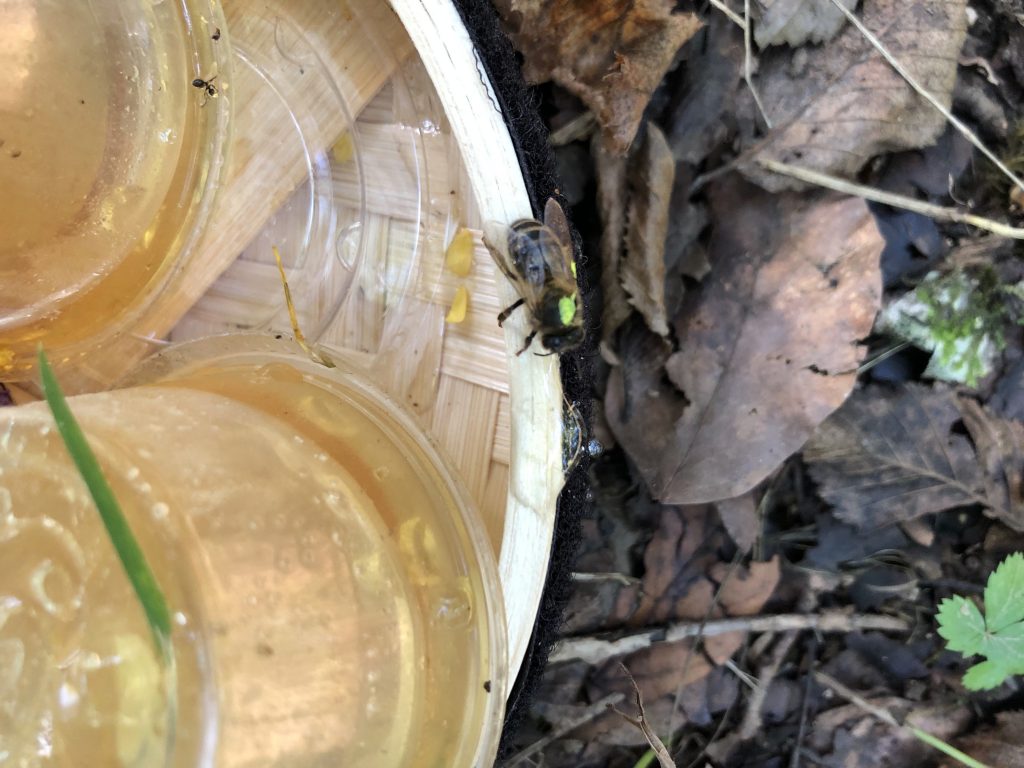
[(110, 155), (334, 596)]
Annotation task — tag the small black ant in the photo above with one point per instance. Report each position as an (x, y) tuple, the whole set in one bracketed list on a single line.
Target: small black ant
[(216, 34), (208, 86)]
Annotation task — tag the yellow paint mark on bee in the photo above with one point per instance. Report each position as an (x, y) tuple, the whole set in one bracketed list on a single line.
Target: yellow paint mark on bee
[(459, 306), (459, 256)]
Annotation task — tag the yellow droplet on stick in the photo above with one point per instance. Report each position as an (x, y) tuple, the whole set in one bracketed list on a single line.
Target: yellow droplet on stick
[(459, 256), (459, 306)]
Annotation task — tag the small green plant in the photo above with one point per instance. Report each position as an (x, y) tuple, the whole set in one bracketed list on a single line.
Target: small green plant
[(128, 550), (998, 635)]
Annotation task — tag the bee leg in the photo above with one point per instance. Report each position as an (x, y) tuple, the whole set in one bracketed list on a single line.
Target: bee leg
[(527, 343), (509, 310)]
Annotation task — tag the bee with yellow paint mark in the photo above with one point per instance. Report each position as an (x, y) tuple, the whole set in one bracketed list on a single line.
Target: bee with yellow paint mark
[(537, 259)]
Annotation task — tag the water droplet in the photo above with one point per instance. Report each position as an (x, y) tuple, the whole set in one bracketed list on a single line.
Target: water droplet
[(132, 473), (160, 510), (372, 676), (180, 619), (594, 447), (337, 539)]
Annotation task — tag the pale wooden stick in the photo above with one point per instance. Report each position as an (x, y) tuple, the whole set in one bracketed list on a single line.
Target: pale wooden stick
[(733, 16), (594, 651), (889, 198)]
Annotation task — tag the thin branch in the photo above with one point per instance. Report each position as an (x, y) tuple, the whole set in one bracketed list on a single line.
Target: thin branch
[(752, 718), (966, 132), (664, 759), (733, 16), (748, 69), (594, 710), (890, 198), (594, 651)]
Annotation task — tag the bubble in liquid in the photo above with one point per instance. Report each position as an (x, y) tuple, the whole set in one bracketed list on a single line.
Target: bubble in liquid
[(452, 609), (132, 473), (160, 510), (55, 590), (381, 472), (180, 619)]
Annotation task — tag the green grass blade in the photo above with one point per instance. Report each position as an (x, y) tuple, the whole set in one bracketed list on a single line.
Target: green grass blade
[(134, 561), (947, 749)]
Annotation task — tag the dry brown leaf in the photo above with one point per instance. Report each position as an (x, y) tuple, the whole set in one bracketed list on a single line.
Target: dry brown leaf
[(891, 455), (642, 271), (740, 518), (610, 53), (611, 203), (1001, 745), (1000, 447), (846, 104), (795, 22), (768, 347), (745, 591)]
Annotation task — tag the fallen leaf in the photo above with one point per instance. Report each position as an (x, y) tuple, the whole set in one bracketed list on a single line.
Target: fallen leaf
[(642, 271), (1000, 447), (743, 591), (739, 516), (891, 455), (611, 203), (709, 79), (795, 22), (845, 104), (610, 53), (768, 345), (1000, 745)]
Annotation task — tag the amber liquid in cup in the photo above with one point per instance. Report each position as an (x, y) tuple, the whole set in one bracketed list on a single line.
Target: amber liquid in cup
[(332, 605), (105, 154)]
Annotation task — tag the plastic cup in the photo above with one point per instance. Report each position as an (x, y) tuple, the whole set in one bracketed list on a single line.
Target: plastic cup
[(109, 159), (335, 600)]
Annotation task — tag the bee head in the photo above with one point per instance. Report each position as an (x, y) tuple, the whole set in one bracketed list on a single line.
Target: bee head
[(563, 340)]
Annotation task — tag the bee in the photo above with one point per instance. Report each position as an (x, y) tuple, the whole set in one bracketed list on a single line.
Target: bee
[(537, 259)]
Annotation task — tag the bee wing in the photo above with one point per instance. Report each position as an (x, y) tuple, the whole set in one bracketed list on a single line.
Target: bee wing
[(554, 219), (496, 238)]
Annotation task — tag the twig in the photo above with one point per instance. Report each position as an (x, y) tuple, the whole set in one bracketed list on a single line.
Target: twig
[(747, 69), (794, 759), (664, 759), (889, 198), (886, 717), (594, 710), (867, 365), (595, 651), (733, 16), (752, 720), (578, 128), (966, 132), (621, 578)]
